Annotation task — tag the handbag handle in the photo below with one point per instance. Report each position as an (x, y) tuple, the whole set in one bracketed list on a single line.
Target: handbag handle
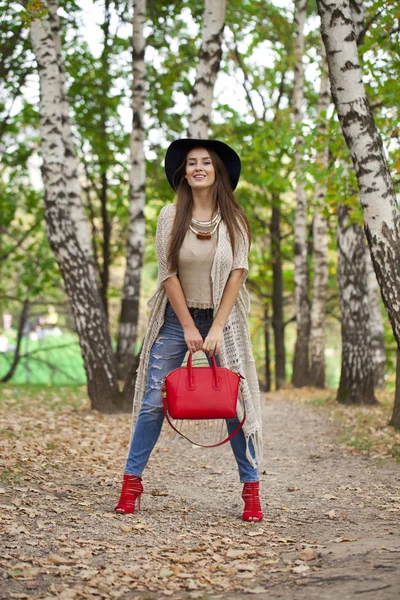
[(191, 380), (238, 428)]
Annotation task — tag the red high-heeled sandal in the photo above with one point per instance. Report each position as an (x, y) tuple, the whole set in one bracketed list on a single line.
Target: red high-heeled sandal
[(132, 489), (252, 505)]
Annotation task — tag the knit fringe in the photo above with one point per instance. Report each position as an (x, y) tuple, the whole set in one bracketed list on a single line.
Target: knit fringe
[(204, 432), (208, 432), (256, 439)]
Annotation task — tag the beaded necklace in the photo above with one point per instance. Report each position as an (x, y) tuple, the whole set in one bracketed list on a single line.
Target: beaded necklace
[(206, 235)]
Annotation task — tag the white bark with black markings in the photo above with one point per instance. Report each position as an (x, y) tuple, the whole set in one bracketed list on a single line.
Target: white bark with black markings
[(377, 195), (358, 14), (376, 321), (357, 370), (136, 235), (85, 300), (320, 239), (301, 360), (207, 68), (71, 165), (376, 324)]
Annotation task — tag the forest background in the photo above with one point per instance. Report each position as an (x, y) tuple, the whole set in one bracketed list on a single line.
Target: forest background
[(271, 103)]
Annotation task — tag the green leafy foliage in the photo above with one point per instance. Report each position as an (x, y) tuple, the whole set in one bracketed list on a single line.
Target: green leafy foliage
[(258, 55)]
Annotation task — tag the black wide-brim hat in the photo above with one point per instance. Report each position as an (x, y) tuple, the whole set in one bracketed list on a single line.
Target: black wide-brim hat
[(179, 148)]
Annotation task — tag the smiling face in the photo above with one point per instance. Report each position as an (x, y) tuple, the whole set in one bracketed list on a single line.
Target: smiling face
[(200, 172)]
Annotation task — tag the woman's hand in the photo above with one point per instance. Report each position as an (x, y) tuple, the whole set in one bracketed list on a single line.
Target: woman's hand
[(212, 343), (193, 338)]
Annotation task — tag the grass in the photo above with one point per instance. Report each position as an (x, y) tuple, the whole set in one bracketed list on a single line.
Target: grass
[(8, 432), (51, 397), (53, 360), (366, 430), (12, 475)]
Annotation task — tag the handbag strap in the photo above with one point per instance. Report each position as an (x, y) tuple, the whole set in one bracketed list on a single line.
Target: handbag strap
[(238, 428), (192, 377)]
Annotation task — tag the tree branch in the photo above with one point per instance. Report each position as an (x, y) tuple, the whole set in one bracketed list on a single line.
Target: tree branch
[(245, 82), (23, 319), (3, 231)]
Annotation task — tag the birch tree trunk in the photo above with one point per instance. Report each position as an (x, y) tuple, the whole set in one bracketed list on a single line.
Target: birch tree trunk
[(376, 324), (320, 235), (357, 371), (278, 324), (207, 68), (267, 352), (377, 195), (358, 14), (395, 420), (376, 321), (103, 137), (302, 305), (136, 234), (71, 165), (86, 306)]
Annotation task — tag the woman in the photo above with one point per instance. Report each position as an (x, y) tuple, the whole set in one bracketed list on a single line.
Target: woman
[(201, 303)]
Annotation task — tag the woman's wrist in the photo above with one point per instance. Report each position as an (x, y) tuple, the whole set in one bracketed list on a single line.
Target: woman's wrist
[(177, 300), (188, 325)]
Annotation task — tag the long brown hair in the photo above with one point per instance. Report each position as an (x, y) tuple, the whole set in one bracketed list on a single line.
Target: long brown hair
[(222, 196)]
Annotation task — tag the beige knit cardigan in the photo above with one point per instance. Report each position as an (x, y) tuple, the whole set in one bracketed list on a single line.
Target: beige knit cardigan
[(235, 351)]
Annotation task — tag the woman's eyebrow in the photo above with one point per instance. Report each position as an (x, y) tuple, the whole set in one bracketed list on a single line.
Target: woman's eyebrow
[(202, 158)]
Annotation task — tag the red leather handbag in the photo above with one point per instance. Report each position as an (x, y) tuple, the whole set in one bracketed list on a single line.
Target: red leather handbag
[(209, 392)]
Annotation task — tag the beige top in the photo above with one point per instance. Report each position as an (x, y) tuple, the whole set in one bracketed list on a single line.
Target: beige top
[(194, 269)]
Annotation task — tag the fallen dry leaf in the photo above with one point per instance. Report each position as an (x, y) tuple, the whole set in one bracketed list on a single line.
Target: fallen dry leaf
[(300, 569), (188, 541), (55, 559), (308, 554), (233, 553), (160, 493), (244, 567), (256, 590), (165, 572)]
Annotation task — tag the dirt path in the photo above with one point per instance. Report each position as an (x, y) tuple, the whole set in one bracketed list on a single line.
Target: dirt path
[(331, 527)]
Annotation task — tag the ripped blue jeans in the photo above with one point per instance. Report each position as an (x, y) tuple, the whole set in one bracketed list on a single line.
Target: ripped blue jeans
[(167, 353)]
